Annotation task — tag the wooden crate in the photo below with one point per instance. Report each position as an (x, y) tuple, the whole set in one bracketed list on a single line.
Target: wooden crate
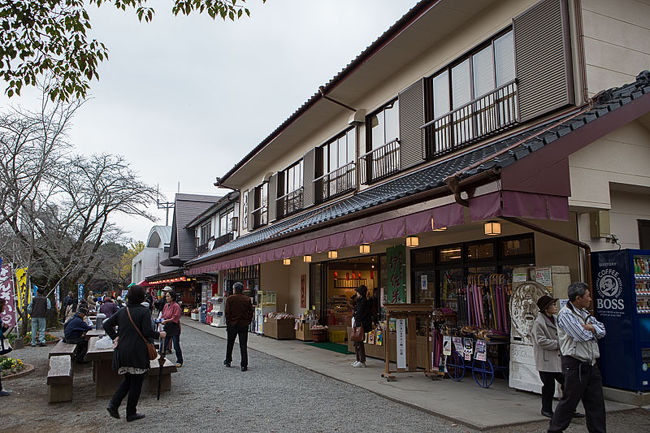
[(280, 329), (303, 332)]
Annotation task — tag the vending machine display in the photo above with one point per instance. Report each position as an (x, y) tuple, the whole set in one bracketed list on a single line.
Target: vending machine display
[(621, 287)]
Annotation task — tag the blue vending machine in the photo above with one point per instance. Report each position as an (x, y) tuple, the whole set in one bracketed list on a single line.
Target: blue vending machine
[(621, 287)]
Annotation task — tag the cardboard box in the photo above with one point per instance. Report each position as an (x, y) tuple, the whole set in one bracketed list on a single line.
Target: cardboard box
[(280, 329), (375, 351), (303, 332)]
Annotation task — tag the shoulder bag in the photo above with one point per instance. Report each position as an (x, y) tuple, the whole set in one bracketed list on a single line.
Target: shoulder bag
[(357, 333), (151, 349)]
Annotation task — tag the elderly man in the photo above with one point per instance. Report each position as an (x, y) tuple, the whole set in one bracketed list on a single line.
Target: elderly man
[(578, 332), (239, 313)]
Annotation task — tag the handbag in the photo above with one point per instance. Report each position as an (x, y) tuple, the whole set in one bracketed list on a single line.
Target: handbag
[(5, 347), (151, 349), (357, 334)]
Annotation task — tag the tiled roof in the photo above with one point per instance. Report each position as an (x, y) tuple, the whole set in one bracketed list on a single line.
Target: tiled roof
[(434, 175), (187, 207)]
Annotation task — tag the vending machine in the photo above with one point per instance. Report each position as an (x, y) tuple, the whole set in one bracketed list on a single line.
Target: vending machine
[(621, 287)]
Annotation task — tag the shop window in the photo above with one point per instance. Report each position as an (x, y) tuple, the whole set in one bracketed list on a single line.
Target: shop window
[(450, 254), (517, 247), (422, 257), (480, 251), (644, 234)]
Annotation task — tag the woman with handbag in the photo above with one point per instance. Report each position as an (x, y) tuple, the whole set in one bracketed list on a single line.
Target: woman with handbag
[(171, 316), (131, 355), (362, 324), (4, 346)]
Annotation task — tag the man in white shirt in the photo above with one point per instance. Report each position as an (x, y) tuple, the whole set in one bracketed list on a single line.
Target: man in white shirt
[(578, 332)]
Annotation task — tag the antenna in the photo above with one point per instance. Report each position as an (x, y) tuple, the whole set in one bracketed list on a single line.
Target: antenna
[(163, 205)]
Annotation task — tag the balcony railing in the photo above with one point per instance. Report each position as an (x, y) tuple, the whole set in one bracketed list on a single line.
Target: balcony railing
[(204, 247), (260, 216), (336, 182), (290, 203), (380, 163), (484, 116), (222, 240)]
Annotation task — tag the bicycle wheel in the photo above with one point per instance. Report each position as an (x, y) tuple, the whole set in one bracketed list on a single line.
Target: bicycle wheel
[(455, 367), (483, 373)]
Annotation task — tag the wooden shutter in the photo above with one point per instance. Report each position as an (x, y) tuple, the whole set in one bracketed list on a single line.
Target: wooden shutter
[(543, 58), (308, 176), (411, 118), (251, 207), (273, 198)]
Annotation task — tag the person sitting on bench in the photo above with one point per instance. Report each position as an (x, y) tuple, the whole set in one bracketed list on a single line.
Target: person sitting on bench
[(73, 333)]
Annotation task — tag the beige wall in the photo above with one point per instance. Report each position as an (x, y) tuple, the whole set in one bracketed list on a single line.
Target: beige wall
[(285, 281), (621, 157), (616, 41)]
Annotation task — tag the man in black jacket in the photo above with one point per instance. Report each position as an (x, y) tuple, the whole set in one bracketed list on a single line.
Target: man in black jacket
[(239, 313), (38, 310), (73, 333)]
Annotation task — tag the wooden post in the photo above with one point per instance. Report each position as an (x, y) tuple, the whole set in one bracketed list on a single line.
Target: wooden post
[(411, 343)]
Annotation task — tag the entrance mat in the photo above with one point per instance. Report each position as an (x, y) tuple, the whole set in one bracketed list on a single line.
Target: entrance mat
[(334, 347)]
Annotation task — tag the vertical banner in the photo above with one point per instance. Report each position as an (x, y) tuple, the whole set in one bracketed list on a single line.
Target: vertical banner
[(7, 290), (401, 342), (303, 291), (57, 297), (80, 289), (22, 292), (396, 263)]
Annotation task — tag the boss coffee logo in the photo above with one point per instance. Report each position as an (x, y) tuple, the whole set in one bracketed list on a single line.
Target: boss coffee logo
[(610, 287)]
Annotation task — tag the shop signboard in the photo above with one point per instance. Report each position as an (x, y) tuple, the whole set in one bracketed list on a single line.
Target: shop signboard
[(396, 263), (80, 289), (401, 342), (22, 292), (8, 315)]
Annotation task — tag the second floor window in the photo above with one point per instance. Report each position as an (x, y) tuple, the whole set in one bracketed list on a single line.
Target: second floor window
[(261, 205), (225, 222), (336, 173), (383, 126), (206, 233), (473, 97), (290, 190), (382, 157), (244, 220)]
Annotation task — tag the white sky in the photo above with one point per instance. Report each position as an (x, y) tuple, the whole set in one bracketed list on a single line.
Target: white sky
[(185, 98)]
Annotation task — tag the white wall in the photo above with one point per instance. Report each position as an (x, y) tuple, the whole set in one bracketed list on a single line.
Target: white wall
[(616, 41), (147, 263)]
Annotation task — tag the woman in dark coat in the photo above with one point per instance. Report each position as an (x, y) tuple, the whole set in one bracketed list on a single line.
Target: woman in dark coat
[(130, 357), (362, 317)]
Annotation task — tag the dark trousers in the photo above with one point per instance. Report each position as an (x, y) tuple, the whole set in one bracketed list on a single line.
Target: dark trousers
[(82, 347), (581, 381), (131, 385), (176, 339), (235, 331), (548, 388), (360, 351)]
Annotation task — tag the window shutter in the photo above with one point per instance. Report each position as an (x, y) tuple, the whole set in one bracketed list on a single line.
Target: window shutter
[(411, 118), (273, 197), (309, 173), (251, 207), (543, 58)]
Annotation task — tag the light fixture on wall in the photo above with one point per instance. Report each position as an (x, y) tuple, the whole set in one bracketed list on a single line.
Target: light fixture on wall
[(492, 228), (439, 229), (286, 262), (306, 258), (412, 241), (364, 248), (332, 254)]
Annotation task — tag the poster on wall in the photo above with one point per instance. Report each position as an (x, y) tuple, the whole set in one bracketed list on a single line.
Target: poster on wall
[(396, 285), (8, 315), (401, 342), (423, 282), (446, 345)]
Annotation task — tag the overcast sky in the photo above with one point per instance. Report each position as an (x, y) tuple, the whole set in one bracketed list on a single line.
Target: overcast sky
[(185, 98)]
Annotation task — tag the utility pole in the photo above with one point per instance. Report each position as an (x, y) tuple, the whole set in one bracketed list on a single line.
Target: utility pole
[(164, 205)]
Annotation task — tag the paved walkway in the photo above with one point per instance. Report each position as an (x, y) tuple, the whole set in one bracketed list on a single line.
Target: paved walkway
[(463, 402)]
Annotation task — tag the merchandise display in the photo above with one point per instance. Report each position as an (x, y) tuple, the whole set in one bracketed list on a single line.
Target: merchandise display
[(218, 311), (280, 326), (265, 303)]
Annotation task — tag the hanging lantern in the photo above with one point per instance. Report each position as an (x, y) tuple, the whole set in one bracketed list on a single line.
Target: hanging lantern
[(332, 254), (347, 275), (372, 274), (306, 259), (492, 228), (364, 248), (286, 262), (359, 275), (336, 274), (412, 241)]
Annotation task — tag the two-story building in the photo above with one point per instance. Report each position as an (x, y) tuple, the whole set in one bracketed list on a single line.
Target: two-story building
[(470, 138)]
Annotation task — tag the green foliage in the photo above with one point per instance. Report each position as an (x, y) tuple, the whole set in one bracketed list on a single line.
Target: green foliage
[(41, 38)]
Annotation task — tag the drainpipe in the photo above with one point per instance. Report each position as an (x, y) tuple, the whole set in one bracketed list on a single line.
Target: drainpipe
[(453, 184)]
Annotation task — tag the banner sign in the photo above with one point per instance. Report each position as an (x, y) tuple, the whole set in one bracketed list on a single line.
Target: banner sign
[(22, 292), (396, 286), (7, 292), (80, 295), (401, 342), (57, 297)]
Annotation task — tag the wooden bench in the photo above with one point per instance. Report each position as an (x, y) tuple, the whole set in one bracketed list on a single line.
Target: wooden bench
[(62, 348), (59, 379), (166, 380)]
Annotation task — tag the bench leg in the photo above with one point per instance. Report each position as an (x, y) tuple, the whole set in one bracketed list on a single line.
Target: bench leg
[(106, 379), (59, 392)]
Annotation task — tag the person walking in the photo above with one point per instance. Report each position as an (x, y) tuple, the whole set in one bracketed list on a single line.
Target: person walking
[(3, 328), (578, 332), (73, 333), (131, 359), (171, 316), (38, 310), (363, 318), (239, 313)]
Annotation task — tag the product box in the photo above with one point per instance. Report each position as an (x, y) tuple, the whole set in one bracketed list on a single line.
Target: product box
[(280, 329), (303, 332)]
